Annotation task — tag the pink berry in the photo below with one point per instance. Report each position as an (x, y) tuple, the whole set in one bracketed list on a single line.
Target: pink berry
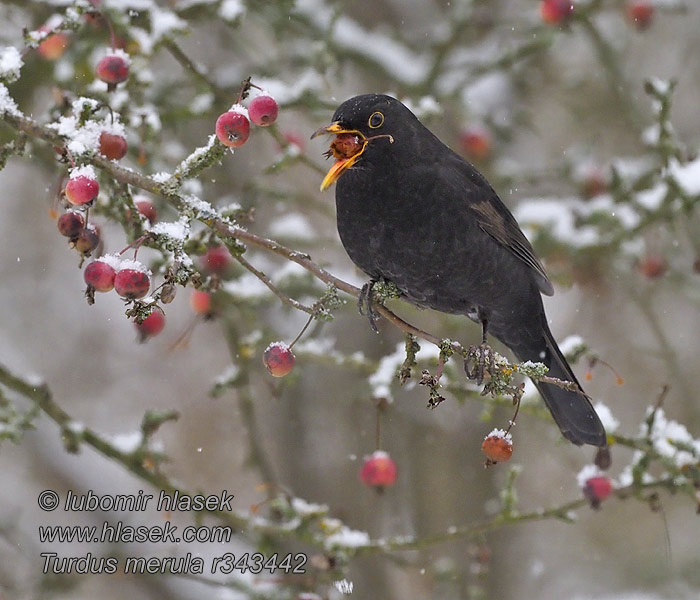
[(53, 46), (640, 13), (263, 110), (279, 359), (152, 325), (112, 146), (497, 448), (232, 129), (217, 259), (653, 266), (476, 142), (70, 224), (596, 489), (201, 303), (113, 69), (132, 283), (556, 12), (99, 276), (82, 190), (145, 206), (379, 470), (88, 239)]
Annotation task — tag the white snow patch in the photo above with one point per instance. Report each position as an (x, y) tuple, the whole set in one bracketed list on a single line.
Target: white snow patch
[(606, 417), (293, 225), (84, 171), (571, 345), (586, 473), (687, 175), (347, 538), (652, 198), (10, 63), (7, 104), (134, 265), (164, 22), (127, 442), (247, 287), (178, 230), (113, 260), (230, 10), (302, 507)]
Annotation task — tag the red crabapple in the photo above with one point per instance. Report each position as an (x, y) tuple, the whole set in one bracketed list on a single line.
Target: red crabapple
[(81, 189), (497, 447), (152, 325), (596, 489), (378, 470), (145, 206), (70, 224), (640, 13), (99, 275), (112, 146), (53, 46), (200, 302), (263, 110), (132, 281), (217, 259), (653, 266), (279, 359), (113, 69), (556, 12), (233, 128), (476, 142), (88, 239)]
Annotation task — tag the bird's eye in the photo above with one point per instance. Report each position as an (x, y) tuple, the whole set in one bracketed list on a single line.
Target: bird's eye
[(376, 120)]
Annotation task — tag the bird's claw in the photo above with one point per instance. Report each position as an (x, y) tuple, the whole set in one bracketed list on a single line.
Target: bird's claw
[(365, 299), (482, 359)]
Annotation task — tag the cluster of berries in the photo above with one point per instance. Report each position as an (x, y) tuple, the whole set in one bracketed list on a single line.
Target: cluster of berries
[(233, 126)]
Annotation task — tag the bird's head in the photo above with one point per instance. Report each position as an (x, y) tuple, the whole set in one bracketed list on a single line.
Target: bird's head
[(358, 122)]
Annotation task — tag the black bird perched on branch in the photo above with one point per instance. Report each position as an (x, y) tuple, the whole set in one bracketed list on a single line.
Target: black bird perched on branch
[(412, 212)]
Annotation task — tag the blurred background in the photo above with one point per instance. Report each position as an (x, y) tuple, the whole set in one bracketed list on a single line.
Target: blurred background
[(550, 104)]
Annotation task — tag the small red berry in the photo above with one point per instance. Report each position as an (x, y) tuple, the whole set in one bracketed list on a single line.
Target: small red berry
[(497, 446), (99, 275), (53, 46), (152, 325), (593, 183), (81, 190), (201, 303), (476, 142), (378, 470), (113, 69), (145, 206), (556, 12), (70, 224), (132, 280), (112, 146), (263, 110), (653, 266), (279, 359), (88, 239), (596, 489), (217, 259), (640, 13), (233, 128)]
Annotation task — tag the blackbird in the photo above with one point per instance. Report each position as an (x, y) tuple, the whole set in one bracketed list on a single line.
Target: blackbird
[(412, 212)]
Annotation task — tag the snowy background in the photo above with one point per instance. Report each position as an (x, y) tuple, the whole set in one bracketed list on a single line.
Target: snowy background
[(564, 107)]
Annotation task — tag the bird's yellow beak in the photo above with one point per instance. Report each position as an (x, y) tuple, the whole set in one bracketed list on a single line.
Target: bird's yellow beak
[(347, 147)]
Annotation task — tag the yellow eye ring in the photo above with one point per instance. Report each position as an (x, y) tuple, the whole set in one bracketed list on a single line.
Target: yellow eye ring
[(376, 120)]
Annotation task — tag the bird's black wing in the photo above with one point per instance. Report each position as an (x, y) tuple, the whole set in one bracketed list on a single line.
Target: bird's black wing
[(494, 218)]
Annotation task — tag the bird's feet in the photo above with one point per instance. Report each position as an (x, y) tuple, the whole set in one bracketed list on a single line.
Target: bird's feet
[(478, 360), (366, 300)]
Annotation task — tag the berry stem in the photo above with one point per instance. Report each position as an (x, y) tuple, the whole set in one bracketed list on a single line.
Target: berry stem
[(303, 329)]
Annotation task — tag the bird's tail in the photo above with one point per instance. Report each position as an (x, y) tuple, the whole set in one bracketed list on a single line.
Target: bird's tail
[(572, 411)]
